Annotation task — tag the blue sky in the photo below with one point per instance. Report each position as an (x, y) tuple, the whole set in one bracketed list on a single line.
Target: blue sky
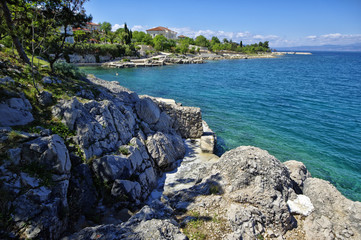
[(283, 23)]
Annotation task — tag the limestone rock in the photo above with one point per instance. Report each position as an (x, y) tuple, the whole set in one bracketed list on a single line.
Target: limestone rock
[(50, 152), (45, 98), (298, 173), (148, 223), (187, 121), (126, 189), (6, 80), (208, 139), (334, 217), (15, 111), (112, 167), (256, 177), (82, 195), (301, 205), (100, 126), (148, 111), (165, 149)]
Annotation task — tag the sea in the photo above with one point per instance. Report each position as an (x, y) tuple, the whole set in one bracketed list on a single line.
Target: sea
[(297, 107)]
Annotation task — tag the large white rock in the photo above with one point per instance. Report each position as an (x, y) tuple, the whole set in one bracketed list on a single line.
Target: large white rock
[(301, 205)]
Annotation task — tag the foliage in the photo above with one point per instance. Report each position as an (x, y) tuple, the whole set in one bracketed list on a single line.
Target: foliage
[(123, 150), (142, 38), (68, 70), (106, 27), (202, 41), (162, 43)]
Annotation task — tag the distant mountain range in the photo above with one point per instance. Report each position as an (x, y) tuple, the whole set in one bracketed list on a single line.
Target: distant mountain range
[(349, 48)]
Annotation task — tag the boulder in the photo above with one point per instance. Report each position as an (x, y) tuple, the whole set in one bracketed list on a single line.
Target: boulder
[(253, 176), (151, 222), (15, 112), (126, 190), (49, 152), (112, 167), (165, 149), (6, 80), (334, 216), (100, 126), (45, 98), (301, 205), (148, 111), (298, 173)]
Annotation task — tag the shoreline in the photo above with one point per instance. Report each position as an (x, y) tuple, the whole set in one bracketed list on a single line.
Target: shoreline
[(164, 59)]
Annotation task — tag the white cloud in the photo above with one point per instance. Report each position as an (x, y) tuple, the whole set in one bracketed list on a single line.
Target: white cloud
[(332, 39), (116, 27), (249, 38), (139, 28), (332, 35)]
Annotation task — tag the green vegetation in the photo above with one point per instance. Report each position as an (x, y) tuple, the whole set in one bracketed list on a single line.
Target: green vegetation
[(123, 150), (215, 189), (67, 70)]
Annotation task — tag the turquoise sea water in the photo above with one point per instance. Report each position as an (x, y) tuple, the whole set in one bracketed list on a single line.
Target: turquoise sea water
[(306, 108)]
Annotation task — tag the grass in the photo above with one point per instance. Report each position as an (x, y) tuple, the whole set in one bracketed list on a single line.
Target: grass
[(214, 189), (123, 150)]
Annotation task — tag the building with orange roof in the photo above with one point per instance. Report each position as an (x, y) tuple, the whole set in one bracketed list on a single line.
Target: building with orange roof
[(162, 31)]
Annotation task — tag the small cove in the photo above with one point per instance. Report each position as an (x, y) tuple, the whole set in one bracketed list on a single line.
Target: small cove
[(306, 108)]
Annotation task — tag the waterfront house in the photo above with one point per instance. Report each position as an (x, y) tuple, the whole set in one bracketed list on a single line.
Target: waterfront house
[(162, 31)]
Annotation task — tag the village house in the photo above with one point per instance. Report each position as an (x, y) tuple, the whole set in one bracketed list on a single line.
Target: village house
[(162, 31)]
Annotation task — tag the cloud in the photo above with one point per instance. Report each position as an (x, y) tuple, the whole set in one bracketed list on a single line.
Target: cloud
[(274, 40), (116, 27), (333, 39), (139, 28)]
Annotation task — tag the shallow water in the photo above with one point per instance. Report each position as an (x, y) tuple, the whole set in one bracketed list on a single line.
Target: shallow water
[(306, 108)]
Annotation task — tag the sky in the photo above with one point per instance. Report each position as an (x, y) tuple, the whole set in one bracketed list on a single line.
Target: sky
[(284, 23)]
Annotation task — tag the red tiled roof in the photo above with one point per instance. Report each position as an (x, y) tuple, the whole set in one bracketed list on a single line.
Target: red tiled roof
[(80, 29), (159, 29), (182, 36), (93, 24)]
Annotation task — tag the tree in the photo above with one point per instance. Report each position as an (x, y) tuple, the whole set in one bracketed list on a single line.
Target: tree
[(241, 44), (106, 27), (225, 40), (11, 29), (142, 38), (64, 13), (161, 43), (214, 41), (201, 41), (127, 36)]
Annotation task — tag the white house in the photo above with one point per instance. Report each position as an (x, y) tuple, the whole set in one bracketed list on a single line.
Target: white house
[(93, 26), (69, 31), (162, 31)]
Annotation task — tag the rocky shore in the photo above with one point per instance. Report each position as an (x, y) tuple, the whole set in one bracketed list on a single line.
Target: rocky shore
[(123, 166), (171, 59)]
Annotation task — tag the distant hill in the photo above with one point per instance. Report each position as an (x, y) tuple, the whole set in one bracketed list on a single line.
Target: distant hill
[(349, 48)]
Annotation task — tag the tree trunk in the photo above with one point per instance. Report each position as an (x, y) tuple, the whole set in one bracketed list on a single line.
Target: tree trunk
[(11, 27)]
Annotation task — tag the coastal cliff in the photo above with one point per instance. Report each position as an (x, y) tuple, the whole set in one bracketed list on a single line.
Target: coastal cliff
[(114, 165)]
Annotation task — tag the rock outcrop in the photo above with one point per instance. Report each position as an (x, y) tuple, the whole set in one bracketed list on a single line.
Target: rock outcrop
[(334, 216), (15, 111), (108, 176)]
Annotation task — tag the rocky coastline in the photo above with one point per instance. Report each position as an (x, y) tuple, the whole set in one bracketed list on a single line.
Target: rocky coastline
[(141, 167)]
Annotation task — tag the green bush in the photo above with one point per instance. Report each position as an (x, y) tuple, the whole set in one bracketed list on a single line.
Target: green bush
[(68, 70)]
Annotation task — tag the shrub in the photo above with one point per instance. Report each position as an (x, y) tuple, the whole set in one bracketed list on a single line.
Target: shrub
[(124, 151), (68, 70)]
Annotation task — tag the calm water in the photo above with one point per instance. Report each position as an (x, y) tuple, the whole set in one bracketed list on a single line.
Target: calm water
[(306, 108)]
